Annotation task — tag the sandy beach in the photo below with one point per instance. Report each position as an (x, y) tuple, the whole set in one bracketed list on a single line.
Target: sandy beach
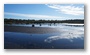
[(36, 30)]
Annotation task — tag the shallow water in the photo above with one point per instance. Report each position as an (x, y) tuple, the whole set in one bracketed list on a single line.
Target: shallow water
[(69, 37), (48, 25)]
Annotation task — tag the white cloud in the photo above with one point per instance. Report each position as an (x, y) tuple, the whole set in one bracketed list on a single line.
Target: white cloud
[(68, 9), (33, 16)]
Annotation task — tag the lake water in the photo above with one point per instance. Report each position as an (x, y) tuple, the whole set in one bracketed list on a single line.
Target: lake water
[(71, 36)]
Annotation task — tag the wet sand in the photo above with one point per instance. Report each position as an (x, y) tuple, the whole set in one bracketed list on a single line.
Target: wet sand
[(68, 39), (36, 30)]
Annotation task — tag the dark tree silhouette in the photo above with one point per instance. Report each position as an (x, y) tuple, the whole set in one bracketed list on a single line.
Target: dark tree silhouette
[(20, 21)]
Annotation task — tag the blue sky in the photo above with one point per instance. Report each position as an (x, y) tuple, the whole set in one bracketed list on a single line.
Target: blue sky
[(44, 11)]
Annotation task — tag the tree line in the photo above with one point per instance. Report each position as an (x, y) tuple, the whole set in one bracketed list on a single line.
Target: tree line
[(20, 21)]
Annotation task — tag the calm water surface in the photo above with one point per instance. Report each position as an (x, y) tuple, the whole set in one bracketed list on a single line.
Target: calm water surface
[(71, 36)]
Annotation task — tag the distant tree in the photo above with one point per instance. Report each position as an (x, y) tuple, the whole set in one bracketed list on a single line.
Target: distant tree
[(20, 21)]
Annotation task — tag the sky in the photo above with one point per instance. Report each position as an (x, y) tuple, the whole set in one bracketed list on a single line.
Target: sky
[(44, 11)]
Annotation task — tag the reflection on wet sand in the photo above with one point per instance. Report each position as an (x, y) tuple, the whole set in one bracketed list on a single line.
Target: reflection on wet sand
[(58, 37), (68, 36)]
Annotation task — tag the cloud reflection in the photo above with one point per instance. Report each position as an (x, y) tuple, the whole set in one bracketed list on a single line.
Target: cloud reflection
[(67, 36)]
